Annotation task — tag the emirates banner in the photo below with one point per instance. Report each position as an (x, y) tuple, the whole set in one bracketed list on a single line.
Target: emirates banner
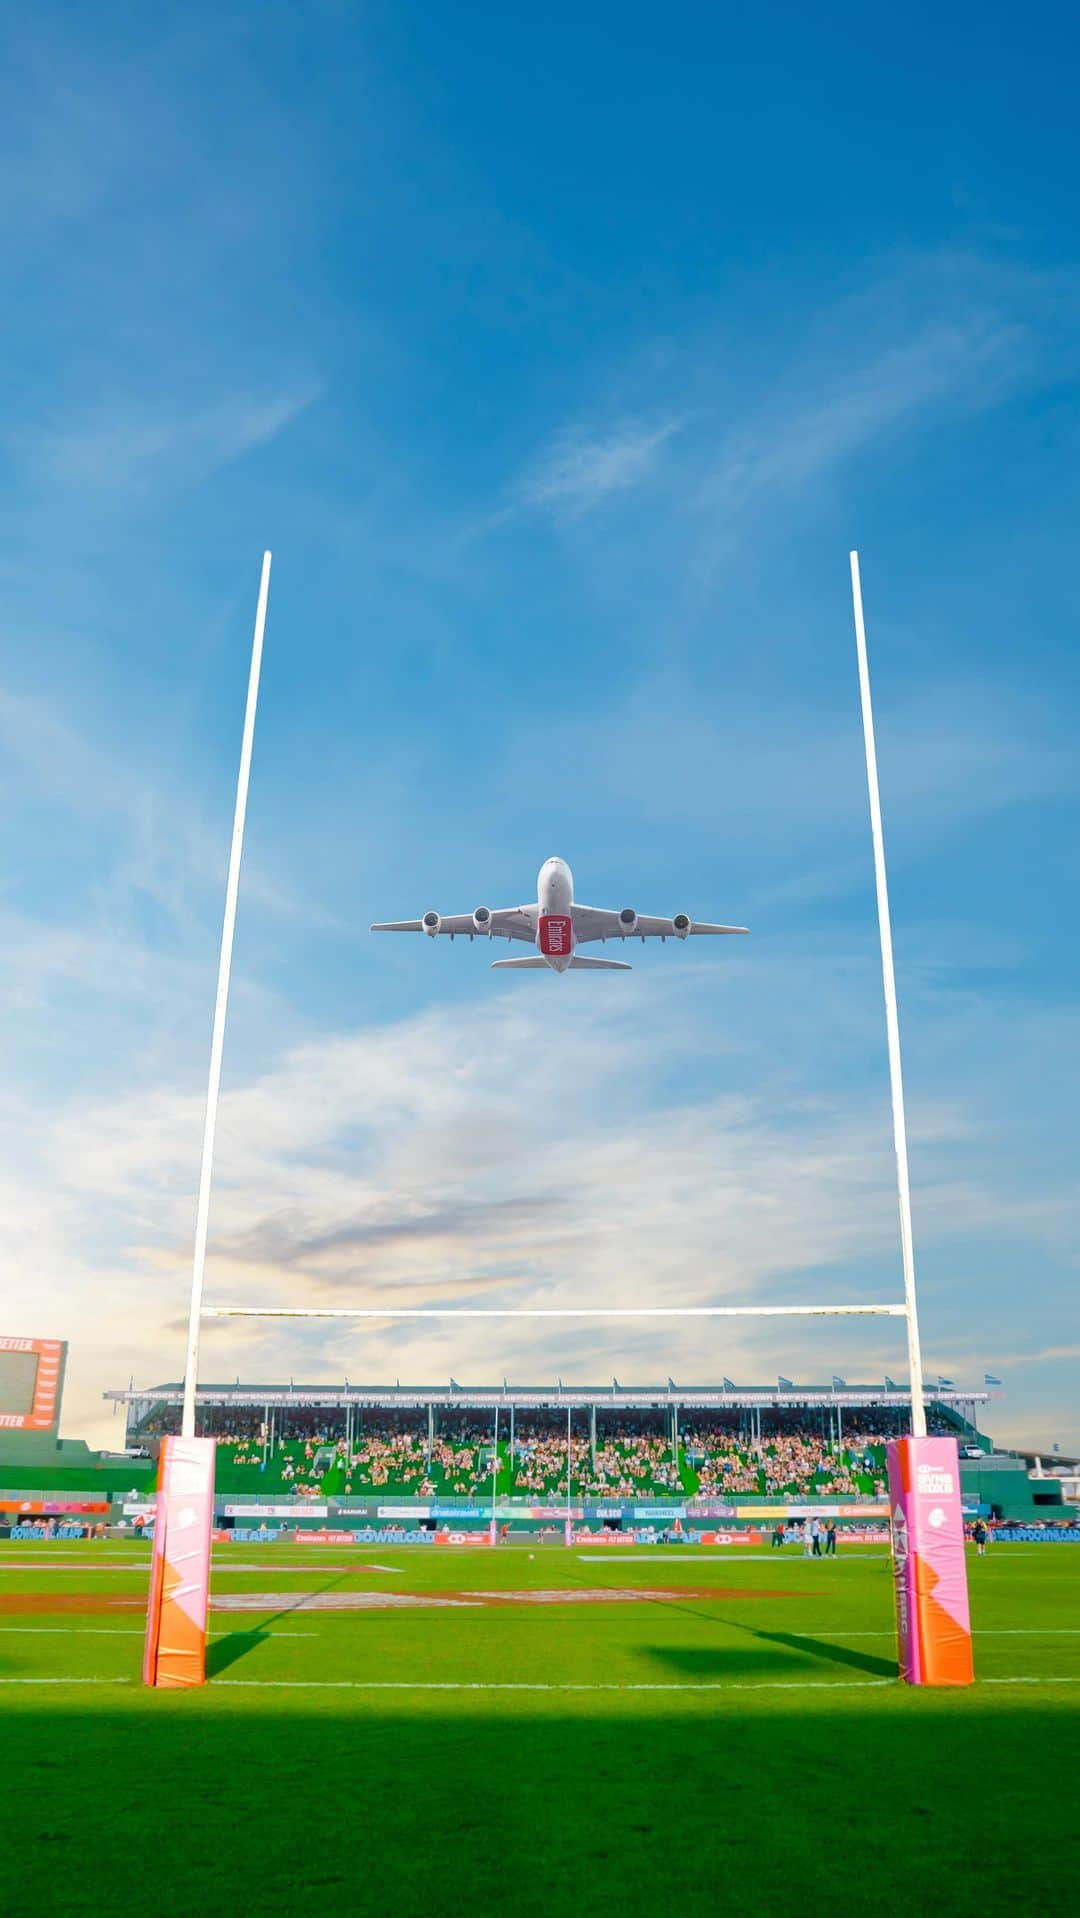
[(175, 1653), (933, 1624)]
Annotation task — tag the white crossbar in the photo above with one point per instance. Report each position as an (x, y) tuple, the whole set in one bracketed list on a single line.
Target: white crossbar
[(553, 1312)]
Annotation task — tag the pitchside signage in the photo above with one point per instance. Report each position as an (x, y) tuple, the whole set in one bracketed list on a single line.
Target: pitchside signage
[(292, 1508), (869, 1508), (52, 1507)]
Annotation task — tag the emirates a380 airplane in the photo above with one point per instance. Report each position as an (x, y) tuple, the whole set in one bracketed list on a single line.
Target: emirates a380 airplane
[(556, 925)]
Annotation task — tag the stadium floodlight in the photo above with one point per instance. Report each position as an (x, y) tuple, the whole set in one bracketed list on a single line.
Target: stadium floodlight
[(892, 1017)]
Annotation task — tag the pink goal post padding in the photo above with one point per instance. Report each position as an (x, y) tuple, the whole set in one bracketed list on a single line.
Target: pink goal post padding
[(933, 1623)]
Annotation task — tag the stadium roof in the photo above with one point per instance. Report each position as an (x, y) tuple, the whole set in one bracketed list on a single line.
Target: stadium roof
[(726, 1396)]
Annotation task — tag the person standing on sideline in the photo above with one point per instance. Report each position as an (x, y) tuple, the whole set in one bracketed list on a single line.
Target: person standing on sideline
[(979, 1534), (815, 1535), (830, 1539), (807, 1539), (778, 1533)]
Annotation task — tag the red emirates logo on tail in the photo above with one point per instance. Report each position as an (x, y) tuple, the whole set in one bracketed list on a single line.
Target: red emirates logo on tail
[(555, 934)]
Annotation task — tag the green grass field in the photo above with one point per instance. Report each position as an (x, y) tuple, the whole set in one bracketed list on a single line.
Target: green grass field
[(738, 1739)]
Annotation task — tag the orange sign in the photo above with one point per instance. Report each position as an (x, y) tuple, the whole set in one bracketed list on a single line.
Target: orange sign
[(44, 1409)]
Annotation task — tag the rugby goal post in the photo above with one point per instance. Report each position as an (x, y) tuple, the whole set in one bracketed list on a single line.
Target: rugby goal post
[(924, 1490)]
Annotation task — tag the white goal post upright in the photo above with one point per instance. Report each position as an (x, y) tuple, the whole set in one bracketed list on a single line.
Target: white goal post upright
[(892, 1019), (217, 1043), (907, 1310)]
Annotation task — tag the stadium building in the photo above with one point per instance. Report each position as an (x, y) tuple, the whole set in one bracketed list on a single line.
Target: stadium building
[(611, 1459)]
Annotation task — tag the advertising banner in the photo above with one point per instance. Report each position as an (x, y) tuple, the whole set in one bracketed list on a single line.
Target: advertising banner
[(583, 1536), (932, 1620), (463, 1538), (414, 1512), (324, 1538), (175, 1652), (819, 1508), (392, 1535), (1035, 1535), (749, 1537), (667, 1512), (291, 1508), (51, 1507), (36, 1529)]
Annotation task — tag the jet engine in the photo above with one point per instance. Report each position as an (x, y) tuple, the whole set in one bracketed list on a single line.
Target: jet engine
[(431, 923), (681, 925), (627, 920), (482, 920)]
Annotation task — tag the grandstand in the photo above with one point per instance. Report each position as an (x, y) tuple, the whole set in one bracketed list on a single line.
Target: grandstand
[(356, 1456), (612, 1456), (744, 1452)]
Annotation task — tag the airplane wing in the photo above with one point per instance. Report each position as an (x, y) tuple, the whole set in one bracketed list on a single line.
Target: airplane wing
[(595, 922), (509, 922)]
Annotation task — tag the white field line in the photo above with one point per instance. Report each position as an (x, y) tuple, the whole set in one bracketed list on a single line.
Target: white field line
[(137, 1631), (991, 1631), (730, 1555), (220, 1565), (451, 1685), (125, 1631), (66, 1681)]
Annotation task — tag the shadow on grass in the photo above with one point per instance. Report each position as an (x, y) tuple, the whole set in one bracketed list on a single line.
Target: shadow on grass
[(823, 1648), (232, 1646), (652, 1805), (727, 1661), (225, 1651)]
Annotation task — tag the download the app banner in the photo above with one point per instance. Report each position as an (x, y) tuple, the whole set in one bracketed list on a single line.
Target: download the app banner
[(932, 1619)]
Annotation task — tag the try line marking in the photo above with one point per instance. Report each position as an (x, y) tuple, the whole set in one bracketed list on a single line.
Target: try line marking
[(484, 1685), (136, 1631)]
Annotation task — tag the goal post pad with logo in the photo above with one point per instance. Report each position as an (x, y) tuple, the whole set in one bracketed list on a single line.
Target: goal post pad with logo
[(933, 1623), (175, 1652)]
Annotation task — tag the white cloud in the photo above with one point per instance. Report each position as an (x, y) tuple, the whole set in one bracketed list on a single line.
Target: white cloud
[(130, 444), (521, 1152), (796, 440), (582, 467)]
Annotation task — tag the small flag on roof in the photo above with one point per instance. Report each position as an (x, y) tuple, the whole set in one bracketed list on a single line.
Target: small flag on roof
[(838, 1385), (785, 1385), (945, 1384), (989, 1379)]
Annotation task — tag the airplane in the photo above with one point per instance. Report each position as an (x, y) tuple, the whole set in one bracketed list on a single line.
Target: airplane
[(556, 925)]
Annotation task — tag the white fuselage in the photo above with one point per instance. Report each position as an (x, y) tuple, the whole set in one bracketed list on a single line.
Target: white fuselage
[(554, 920)]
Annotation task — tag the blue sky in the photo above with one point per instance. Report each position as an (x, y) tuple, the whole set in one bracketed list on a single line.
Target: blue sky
[(560, 361)]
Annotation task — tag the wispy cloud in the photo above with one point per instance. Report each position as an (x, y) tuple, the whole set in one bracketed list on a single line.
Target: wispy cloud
[(400, 1165), (795, 441), (582, 467), (791, 774), (129, 445)]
